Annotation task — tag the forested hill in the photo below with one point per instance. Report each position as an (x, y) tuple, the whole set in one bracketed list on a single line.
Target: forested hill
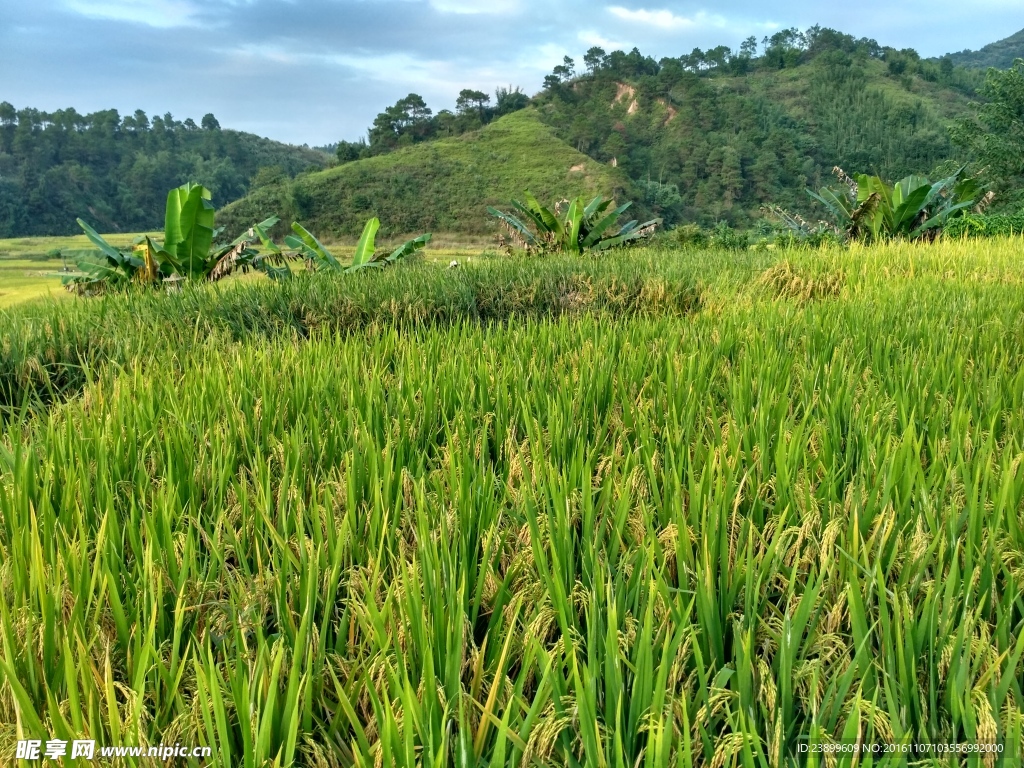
[(704, 137), (712, 136), (1000, 55), (115, 171)]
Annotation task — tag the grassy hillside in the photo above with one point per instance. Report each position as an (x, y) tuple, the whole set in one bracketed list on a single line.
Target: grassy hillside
[(1000, 54), (443, 185)]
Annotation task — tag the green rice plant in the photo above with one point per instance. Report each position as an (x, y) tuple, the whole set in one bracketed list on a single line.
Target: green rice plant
[(616, 538)]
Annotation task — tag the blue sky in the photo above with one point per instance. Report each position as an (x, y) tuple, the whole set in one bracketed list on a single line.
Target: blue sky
[(318, 71)]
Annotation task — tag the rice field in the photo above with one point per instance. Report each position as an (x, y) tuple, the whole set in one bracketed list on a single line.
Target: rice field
[(665, 509)]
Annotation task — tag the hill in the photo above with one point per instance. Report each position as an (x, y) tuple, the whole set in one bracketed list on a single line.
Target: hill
[(442, 185), (1000, 55), (705, 146), (115, 171), (705, 137)]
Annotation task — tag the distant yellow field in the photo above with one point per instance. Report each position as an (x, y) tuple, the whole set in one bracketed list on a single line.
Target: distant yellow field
[(29, 270)]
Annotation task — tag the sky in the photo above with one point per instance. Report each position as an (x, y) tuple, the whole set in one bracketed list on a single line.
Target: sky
[(316, 71)]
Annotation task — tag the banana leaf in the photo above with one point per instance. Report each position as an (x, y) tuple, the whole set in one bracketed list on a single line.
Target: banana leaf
[(840, 208), (636, 233), (603, 225), (311, 248), (106, 248), (195, 226), (513, 223), (597, 206), (408, 248), (365, 246), (548, 218), (907, 186), (536, 218), (258, 230), (907, 212), (573, 220), (940, 218)]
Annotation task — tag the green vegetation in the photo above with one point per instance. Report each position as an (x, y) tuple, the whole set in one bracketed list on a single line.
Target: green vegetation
[(443, 185), (707, 143), (869, 209), (701, 138), (32, 267), (994, 135), (341, 521), (1000, 55), (186, 253), (57, 166), (992, 225), (366, 254), (585, 226)]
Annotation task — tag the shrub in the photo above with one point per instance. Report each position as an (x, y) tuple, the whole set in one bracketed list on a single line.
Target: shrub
[(979, 225)]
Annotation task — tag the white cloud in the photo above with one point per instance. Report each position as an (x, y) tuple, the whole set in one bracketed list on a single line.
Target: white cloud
[(475, 6), (666, 20), (162, 14), (590, 37)]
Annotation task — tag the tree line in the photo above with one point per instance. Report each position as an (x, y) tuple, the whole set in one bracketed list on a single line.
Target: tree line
[(115, 170)]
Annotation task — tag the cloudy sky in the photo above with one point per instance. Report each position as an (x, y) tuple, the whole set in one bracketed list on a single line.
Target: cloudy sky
[(315, 71)]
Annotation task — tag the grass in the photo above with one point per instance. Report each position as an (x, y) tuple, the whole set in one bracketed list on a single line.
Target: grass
[(388, 527), (459, 177)]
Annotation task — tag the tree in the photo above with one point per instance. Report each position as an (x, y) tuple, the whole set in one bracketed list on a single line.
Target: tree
[(593, 59), (565, 71), (994, 138), (406, 121), (415, 107), (508, 100), (8, 124), (469, 99), (209, 122), (348, 151)]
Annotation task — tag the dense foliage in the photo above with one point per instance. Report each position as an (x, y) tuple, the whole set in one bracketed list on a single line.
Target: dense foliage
[(629, 539), (703, 137), (116, 170), (410, 121), (868, 208), (713, 135), (986, 225), (1000, 54), (994, 135)]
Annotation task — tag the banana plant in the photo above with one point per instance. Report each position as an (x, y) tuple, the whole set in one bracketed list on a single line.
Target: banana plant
[(187, 250), (584, 226), (113, 267), (868, 209), (305, 245)]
